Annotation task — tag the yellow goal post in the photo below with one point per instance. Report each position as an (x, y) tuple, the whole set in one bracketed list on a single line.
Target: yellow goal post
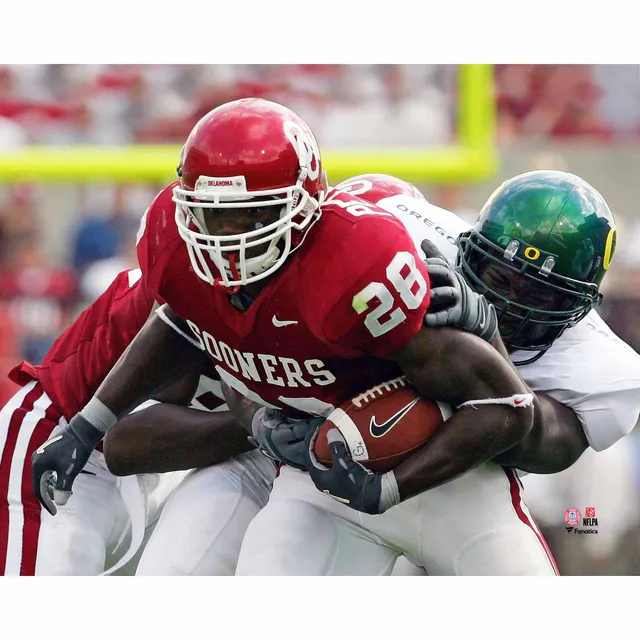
[(472, 158)]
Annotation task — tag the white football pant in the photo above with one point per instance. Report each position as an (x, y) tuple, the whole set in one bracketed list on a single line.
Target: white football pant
[(201, 528), (477, 524), (103, 523)]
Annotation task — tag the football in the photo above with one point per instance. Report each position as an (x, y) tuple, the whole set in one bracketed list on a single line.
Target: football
[(384, 425)]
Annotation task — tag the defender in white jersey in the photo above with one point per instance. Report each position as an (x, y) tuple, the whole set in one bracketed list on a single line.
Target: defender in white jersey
[(581, 369), (586, 367), (559, 375)]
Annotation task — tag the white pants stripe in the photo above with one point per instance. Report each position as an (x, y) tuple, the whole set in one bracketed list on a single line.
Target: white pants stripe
[(20, 418), (7, 411)]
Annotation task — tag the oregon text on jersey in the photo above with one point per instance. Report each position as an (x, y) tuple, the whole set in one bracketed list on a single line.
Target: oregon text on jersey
[(428, 222)]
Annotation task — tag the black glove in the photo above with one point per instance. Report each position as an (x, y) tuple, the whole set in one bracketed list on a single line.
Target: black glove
[(454, 303), (282, 438), (57, 462), (347, 480)]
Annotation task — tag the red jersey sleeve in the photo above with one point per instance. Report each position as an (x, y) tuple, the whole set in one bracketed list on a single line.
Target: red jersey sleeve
[(383, 305), (83, 355)]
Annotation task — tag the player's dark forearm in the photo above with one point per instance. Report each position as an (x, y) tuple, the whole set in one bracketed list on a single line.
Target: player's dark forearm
[(168, 437), (469, 438), (556, 439), (554, 443), (179, 391), (157, 356), (498, 345), (448, 365), (240, 407)]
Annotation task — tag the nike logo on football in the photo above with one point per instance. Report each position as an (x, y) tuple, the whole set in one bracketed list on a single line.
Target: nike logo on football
[(282, 323), (378, 430), (47, 443)]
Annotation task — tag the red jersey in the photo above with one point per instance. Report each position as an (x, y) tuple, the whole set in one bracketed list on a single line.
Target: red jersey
[(83, 355), (354, 292)]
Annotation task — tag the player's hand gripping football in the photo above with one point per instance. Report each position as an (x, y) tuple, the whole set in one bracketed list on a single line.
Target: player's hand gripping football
[(57, 462), (347, 480), (282, 438), (453, 302), (276, 435)]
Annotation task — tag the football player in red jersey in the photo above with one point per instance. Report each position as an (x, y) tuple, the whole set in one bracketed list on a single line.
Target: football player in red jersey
[(85, 538), (30, 540), (302, 298)]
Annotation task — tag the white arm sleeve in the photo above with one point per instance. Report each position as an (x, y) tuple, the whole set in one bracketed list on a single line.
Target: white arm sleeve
[(596, 374)]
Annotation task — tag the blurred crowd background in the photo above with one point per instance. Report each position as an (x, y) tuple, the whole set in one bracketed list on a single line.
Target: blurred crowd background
[(61, 245)]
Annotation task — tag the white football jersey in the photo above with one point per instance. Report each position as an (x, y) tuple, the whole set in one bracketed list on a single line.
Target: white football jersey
[(588, 368), (424, 220)]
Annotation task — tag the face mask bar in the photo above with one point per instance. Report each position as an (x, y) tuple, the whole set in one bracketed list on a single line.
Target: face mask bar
[(294, 201), (585, 297)]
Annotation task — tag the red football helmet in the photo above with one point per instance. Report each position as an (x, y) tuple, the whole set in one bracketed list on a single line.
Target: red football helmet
[(244, 156), (374, 187)]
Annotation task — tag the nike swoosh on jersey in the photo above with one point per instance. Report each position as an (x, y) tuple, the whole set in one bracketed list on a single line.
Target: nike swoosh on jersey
[(378, 430), (282, 323)]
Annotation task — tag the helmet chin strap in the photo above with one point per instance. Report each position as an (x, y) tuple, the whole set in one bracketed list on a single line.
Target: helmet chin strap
[(267, 260), (218, 282)]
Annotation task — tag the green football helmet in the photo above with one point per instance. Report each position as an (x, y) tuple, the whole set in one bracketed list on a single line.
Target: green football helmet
[(539, 251)]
